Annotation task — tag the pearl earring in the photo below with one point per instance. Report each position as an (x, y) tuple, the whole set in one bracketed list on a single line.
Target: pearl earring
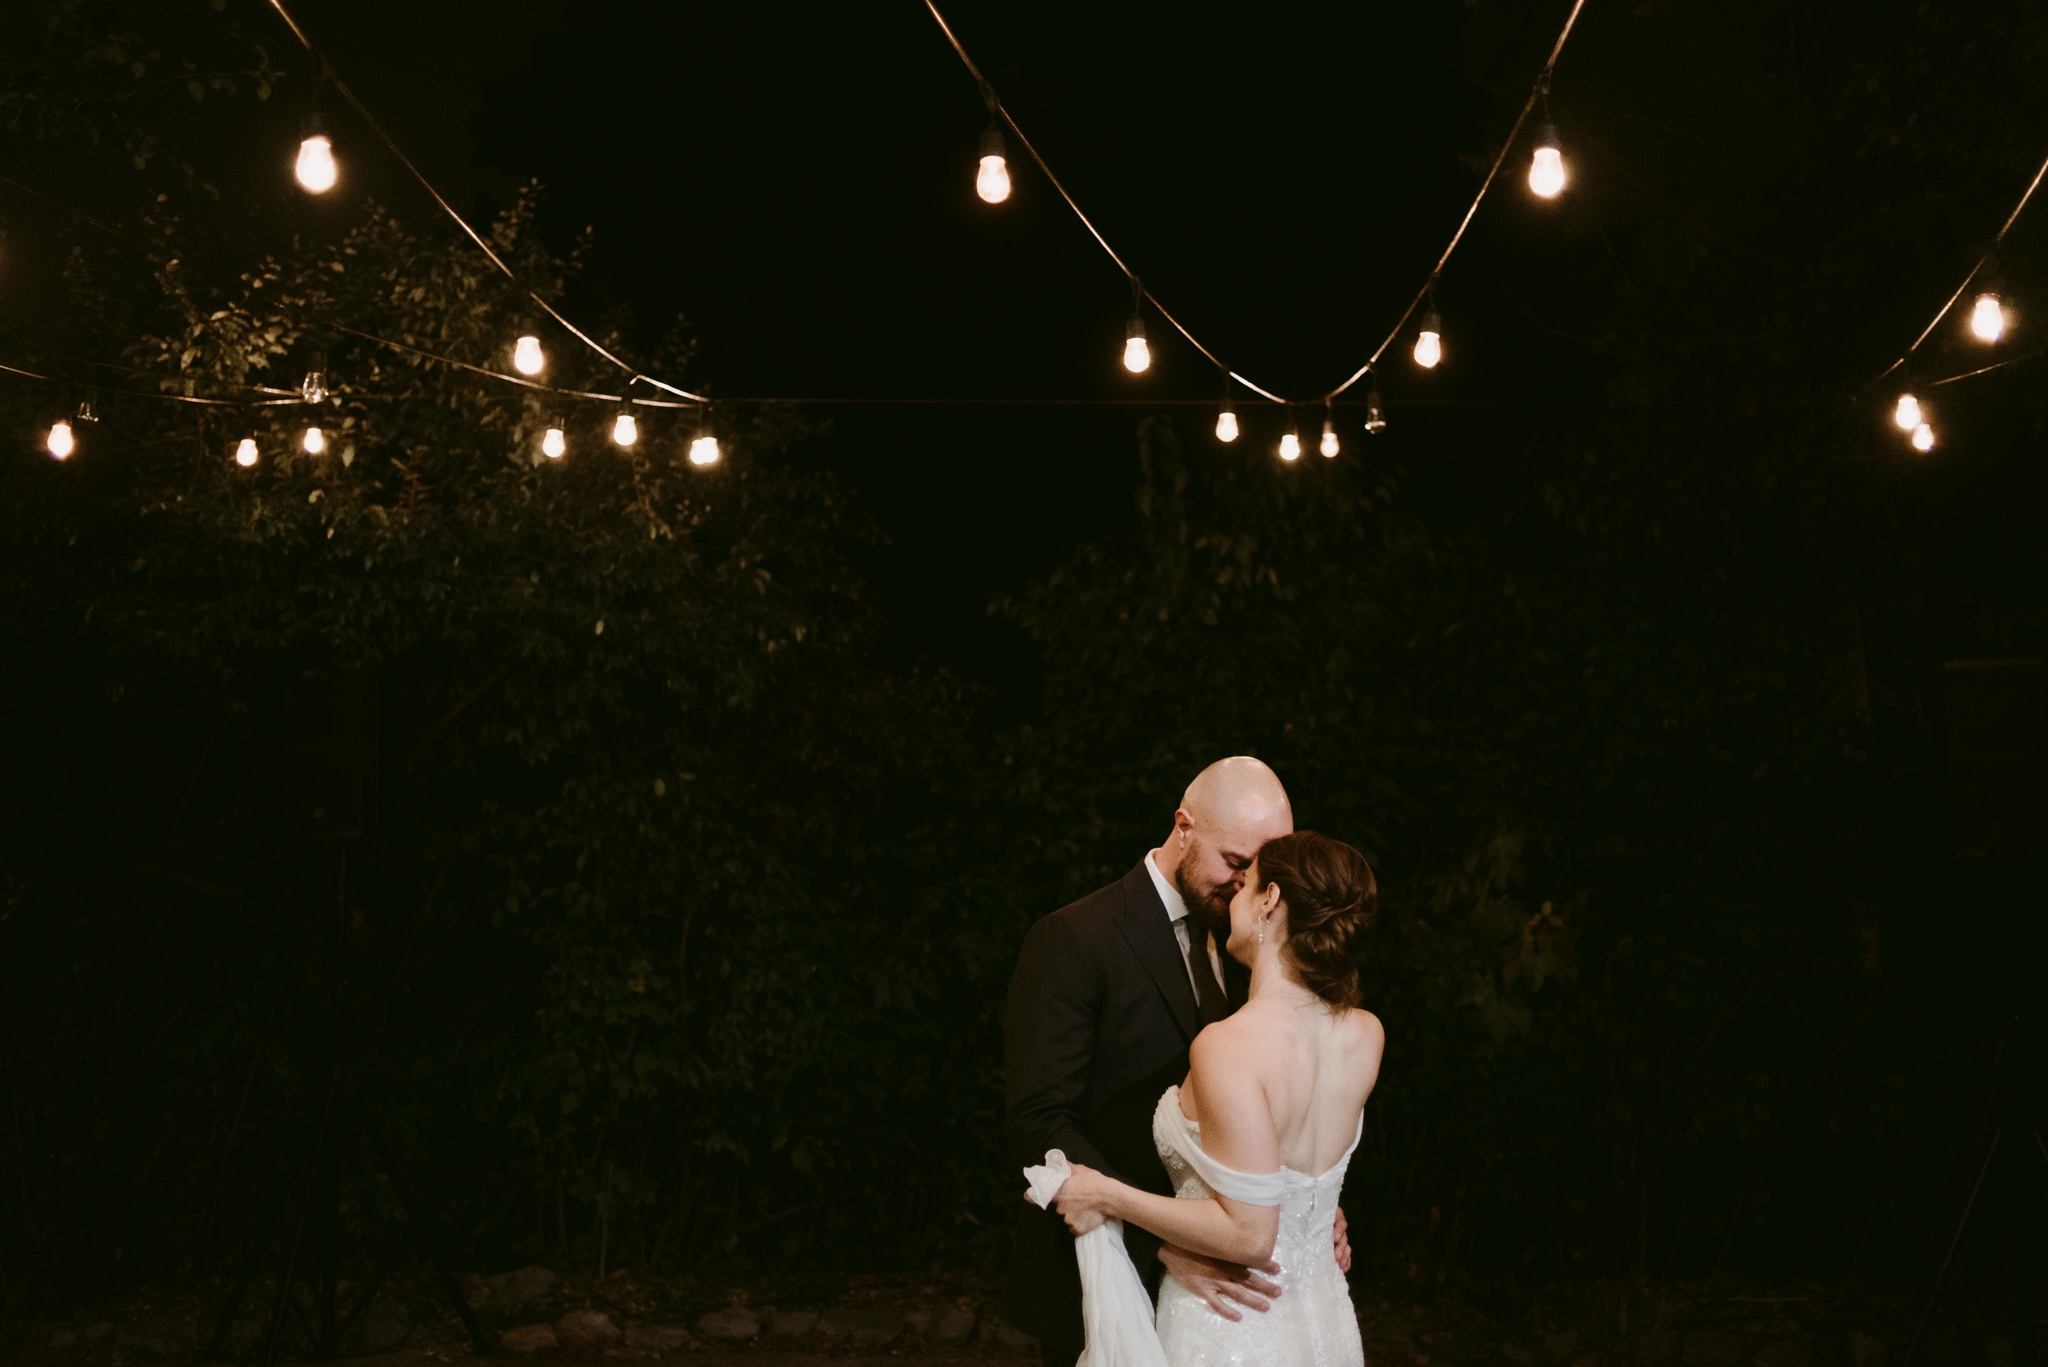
[(1262, 932)]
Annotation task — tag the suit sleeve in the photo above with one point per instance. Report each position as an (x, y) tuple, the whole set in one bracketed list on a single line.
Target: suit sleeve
[(1049, 1037)]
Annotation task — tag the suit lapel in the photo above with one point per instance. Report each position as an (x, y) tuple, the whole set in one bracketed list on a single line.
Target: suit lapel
[(1150, 933)]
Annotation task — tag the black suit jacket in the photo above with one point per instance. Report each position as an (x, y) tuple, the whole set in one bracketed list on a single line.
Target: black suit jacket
[(1098, 1024)]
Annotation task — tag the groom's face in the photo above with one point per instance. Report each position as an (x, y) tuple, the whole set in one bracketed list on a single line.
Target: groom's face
[(1210, 872)]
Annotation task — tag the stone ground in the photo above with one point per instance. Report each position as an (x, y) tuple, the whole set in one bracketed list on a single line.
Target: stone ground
[(535, 1316)]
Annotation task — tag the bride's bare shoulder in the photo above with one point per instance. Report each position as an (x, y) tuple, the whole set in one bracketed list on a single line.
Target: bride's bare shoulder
[(1365, 1040), (1365, 1028)]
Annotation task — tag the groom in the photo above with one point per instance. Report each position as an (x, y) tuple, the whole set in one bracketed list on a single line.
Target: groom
[(1107, 996)]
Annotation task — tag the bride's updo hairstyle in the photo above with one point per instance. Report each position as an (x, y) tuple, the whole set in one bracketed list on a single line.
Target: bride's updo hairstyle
[(1330, 894)]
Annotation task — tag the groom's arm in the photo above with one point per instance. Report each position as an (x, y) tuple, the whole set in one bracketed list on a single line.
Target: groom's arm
[(1049, 1035)]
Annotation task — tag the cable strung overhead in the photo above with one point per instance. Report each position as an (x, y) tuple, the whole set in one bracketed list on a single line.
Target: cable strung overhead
[(1989, 318), (1546, 179), (317, 172)]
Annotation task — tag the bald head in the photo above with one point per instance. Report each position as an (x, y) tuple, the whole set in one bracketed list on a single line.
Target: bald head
[(1239, 791), (1233, 807)]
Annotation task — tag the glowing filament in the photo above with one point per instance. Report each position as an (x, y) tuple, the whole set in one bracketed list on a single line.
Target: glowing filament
[(704, 450), (624, 430), (526, 356), (552, 443), (61, 443), (1290, 447), (1987, 319), (1923, 438), (245, 454), (316, 169), (1907, 414), (1226, 426), (315, 442)]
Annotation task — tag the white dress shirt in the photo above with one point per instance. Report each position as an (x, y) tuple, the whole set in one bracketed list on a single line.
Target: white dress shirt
[(1177, 912)]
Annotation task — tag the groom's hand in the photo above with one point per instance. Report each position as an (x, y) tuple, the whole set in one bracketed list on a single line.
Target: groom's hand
[(1220, 1283), (1341, 1245)]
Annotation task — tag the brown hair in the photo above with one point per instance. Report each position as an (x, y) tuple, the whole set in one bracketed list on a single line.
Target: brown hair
[(1330, 894)]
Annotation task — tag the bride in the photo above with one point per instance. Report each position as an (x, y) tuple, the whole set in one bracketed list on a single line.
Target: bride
[(1257, 1138)]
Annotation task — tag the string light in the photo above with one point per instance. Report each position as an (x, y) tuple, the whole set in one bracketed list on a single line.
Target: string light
[(1546, 168), (704, 446), (316, 169), (1375, 419), (1987, 319), (1226, 421), (552, 442), (1290, 445), (1329, 446), (527, 357), (60, 442), (315, 441), (1429, 343), (1137, 352), (245, 454), (625, 431), (992, 181), (313, 389), (85, 409), (1923, 438), (1907, 414)]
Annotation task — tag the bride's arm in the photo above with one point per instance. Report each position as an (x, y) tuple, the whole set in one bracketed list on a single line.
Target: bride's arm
[(1237, 1131)]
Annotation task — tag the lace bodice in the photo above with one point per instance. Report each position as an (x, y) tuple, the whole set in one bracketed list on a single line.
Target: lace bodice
[(1311, 1324)]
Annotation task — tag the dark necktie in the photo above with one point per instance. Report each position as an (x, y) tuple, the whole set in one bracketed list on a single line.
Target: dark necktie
[(1208, 992)]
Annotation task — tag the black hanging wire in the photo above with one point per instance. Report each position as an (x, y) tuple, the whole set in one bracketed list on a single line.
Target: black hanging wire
[(1541, 91), (370, 120)]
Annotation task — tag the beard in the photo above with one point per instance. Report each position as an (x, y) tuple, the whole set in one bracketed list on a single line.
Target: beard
[(1208, 906)]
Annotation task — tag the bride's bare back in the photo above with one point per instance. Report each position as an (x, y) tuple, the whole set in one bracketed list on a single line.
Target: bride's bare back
[(1281, 1083)]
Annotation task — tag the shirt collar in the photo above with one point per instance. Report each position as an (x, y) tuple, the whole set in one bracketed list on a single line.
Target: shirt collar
[(1176, 905)]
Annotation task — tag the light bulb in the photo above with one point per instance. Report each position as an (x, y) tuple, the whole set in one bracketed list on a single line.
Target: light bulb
[(245, 454), (552, 443), (1907, 414), (1375, 420), (1546, 168), (1429, 341), (316, 169), (316, 441), (61, 443), (1987, 319), (704, 449), (526, 356), (313, 389), (1226, 426), (1137, 353), (1290, 447), (1329, 447), (992, 182), (625, 431), (1923, 438)]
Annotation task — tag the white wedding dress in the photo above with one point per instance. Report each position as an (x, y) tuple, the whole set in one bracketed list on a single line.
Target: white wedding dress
[(1312, 1324)]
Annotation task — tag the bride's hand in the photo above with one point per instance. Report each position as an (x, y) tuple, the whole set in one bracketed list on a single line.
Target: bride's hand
[(1084, 1199)]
